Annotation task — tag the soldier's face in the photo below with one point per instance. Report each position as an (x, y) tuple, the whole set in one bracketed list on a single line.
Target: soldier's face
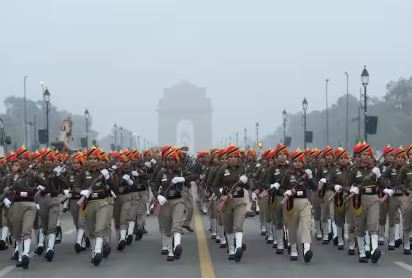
[(328, 159), (48, 163), (298, 164), (366, 158), (23, 163), (400, 161), (170, 163), (389, 158), (233, 160), (282, 158), (122, 165), (343, 162), (15, 167), (223, 161), (76, 165), (92, 162)]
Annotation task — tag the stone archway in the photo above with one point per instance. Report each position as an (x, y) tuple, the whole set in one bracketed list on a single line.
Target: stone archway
[(185, 101)]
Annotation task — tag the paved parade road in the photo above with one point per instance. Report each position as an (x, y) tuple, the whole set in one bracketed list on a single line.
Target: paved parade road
[(143, 259)]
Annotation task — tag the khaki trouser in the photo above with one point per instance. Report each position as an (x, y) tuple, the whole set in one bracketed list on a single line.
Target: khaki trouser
[(327, 207), (299, 218), (78, 217), (350, 220), (6, 218), (406, 207), (234, 214), (188, 200), (369, 218), (383, 213), (218, 213), (264, 210), (171, 217), (276, 211), (23, 214), (138, 208), (49, 213), (121, 210), (314, 199), (108, 224), (393, 210), (96, 218), (211, 209)]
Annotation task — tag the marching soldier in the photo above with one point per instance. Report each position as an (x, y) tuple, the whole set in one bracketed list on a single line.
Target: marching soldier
[(364, 182), (337, 177), (169, 186), (77, 183), (405, 183), (273, 179), (20, 186), (295, 186), (232, 201), (262, 200)]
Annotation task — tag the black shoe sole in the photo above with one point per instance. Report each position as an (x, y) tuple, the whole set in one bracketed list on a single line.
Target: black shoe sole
[(77, 248), (381, 243), (406, 252), (351, 252), (363, 260), (231, 257), (308, 256), (223, 246), (178, 251), (49, 255), (19, 264), (398, 243), (293, 258), (164, 252), (391, 247), (217, 240), (106, 251), (97, 259), (15, 256), (238, 254), (39, 250), (122, 245), (170, 258), (375, 256), (368, 255), (279, 251), (25, 262), (129, 239)]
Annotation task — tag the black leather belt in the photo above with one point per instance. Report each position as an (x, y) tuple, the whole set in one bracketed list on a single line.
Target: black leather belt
[(98, 196), (369, 191), (300, 194)]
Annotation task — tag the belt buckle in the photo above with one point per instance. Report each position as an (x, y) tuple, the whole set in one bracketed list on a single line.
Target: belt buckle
[(95, 195), (299, 193), (23, 194)]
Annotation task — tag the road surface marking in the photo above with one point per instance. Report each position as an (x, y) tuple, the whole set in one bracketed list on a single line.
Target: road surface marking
[(404, 266), (69, 231), (6, 270), (206, 266)]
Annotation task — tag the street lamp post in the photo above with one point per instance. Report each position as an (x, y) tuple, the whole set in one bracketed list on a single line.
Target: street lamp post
[(115, 137), (46, 99), (121, 137), (86, 118), (245, 139), (327, 114), (365, 81), (305, 107), (347, 111), (257, 134), (25, 112), (284, 125)]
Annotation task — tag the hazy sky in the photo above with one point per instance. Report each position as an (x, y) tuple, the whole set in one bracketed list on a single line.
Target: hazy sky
[(254, 57)]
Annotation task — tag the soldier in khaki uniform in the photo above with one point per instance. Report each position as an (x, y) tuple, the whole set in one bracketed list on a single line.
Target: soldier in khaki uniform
[(262, 200), (76, 182), (405, 184), (20, 186), (168, 186), (297, 208), (383, 207), (273, 179), (325, 191), (232, 200), (337, 177), (364, 182), (49, 200), (96, 208), (4, 226)]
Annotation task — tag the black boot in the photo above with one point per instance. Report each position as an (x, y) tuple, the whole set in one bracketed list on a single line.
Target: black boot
[(363, 260), (129, 239), (238, 254), (49, 255), (106, 250), (121, 245), (97, 259), (308, 256), (77, 247), (351, 252), (3, 245), (59, 235), (139, 235), (178, 251), (376, 255), (25, 260)]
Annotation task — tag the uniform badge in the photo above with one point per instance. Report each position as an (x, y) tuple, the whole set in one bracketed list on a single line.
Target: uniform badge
[(292, 178), (226, 172), (164, 178), (277, 172), (358, 174), (71, 178)]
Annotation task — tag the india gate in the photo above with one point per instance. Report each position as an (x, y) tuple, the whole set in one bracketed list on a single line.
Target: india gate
[(185, 117)]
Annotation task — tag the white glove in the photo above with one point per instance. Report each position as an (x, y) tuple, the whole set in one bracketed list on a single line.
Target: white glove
[(178, 179), (309, 173), (41, 188), (243, 179), (153, 161), (7, 202), (126, 177), (37, 206), (354, 190), (202, 176), (162, 200), (258, 165), (388, 191), (67, 193), (275, 185), (114, 167), (58, 170), (377, 172), (85, 193), (321, 182), (254, 196), (135, 173), (105, 174), (338, 188), (148, 164), (288, 193)]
